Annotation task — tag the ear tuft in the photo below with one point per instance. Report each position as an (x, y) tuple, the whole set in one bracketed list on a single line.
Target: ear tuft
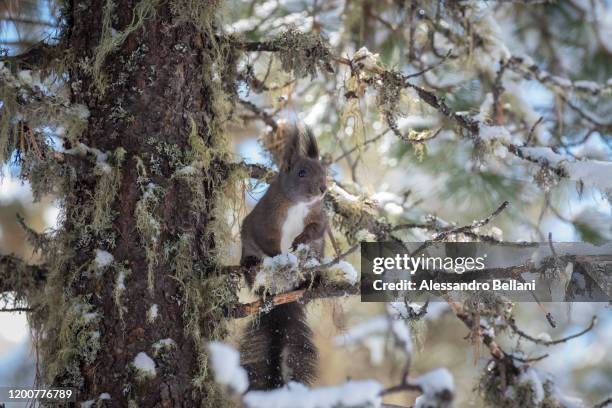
[(310, 144)]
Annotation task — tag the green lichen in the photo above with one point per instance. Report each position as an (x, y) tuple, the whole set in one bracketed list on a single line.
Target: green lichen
[(111, 40), (389, 94), (71, 341), (121, 274), (149, 227), (199, 154), (106, 191), (197, 12), (303, 53), (183, 259)]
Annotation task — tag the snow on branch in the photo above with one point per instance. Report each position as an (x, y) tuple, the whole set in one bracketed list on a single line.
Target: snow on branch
[(281, 279), (364, 393), (33, 105), (389, 84), (594, 173), (373, 334), (436, 387)]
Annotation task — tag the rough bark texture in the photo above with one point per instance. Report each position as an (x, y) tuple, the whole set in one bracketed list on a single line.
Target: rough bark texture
[(157, 100)]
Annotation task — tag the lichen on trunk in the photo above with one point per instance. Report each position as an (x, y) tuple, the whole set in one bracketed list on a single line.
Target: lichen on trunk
[(142, 185)]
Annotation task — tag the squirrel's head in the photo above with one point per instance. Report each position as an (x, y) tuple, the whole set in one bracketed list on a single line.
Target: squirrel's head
[(302, 176)]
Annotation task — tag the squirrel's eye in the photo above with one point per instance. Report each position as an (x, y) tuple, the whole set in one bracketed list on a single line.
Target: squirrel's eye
[(302, 173)]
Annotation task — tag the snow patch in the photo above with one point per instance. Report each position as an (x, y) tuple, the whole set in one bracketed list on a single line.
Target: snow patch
[(357, 334), (103, 258), (494, 133), (120, 284), (277, 274), (531, 376), (163, 344), (591, 172), (295, 395), (401, 332), (365, 235), (343, 195), (438, 388), (144, 364), (152, 313), (226, 367), (344, 272)]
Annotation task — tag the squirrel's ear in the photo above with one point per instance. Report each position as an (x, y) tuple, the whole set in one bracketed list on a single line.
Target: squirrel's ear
[(312, 150), (291, 150)]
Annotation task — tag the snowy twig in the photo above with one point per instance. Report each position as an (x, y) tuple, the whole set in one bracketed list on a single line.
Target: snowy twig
[(357, 147), (334, 261), (461, 230), (301, 295), (543, 342), (477, 224)]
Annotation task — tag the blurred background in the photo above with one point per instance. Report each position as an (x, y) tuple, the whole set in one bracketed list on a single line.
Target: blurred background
[(410, 182)]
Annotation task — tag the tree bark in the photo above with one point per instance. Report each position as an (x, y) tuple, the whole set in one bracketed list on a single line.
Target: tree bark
[(157, 112)]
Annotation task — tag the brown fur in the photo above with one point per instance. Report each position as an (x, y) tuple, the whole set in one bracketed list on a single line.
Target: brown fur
[(279, 348)]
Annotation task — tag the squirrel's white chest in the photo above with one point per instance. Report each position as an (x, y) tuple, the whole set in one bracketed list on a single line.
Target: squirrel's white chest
[(293, 224)]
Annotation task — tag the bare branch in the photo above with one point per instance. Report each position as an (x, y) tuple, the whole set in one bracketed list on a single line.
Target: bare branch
[(514, 327), (15, 309), (265, 117)]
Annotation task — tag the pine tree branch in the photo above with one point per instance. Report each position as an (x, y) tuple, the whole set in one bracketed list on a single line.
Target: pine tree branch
[(37, 56), (300, 295), (18, 276), (265, 117)]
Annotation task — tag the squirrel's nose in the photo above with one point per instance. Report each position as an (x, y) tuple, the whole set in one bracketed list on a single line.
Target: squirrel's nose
[(323, 188)]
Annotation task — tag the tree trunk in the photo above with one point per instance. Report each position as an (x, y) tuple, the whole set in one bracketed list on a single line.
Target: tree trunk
[(156, 108)]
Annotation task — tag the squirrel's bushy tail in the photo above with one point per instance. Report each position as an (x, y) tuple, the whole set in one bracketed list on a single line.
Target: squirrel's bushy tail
[(279, 348)]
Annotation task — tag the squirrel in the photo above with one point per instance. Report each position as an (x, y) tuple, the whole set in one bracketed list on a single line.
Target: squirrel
[(279, 349)]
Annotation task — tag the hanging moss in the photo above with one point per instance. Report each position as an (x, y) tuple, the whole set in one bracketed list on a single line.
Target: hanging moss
[(106, 191), (303, 53), (501, 388), (389, 93), (197, 12), (111, 40), (149, 227), (121, 274), (73, 339), (183, 258)]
